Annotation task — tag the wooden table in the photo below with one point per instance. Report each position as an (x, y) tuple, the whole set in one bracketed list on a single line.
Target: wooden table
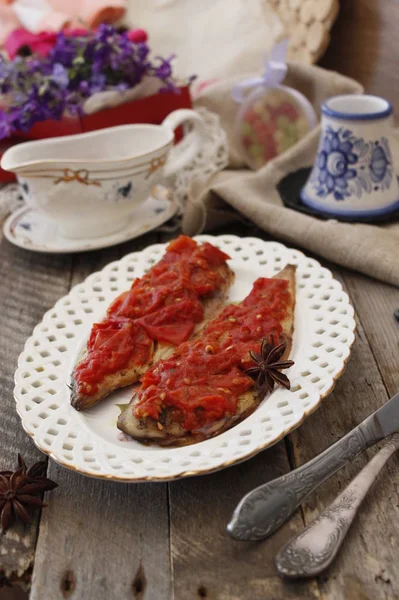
[(106, 541)]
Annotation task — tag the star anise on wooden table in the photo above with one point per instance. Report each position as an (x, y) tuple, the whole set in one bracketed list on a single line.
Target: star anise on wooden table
[(20, 490), (267, 372)]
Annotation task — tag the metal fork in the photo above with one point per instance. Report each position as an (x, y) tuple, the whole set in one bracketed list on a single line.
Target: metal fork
[(314, 549)]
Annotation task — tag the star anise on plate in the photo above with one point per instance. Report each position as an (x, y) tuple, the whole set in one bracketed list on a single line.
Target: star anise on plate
[(21, 489), (267, 372)]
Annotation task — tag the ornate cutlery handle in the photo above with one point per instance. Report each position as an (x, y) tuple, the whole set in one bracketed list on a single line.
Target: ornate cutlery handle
[(313, 550), (261, 512)]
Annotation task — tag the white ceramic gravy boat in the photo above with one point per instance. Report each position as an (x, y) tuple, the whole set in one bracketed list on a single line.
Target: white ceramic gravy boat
[(91, 183)]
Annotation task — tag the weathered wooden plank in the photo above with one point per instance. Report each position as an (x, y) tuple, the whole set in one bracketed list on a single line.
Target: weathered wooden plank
[(31, 283), (375, 303), (206, 563), (366, 567), (103, 540), (100, 540)]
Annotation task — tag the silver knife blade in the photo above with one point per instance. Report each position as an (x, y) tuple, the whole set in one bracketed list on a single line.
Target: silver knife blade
[(386, 418), (263, 510)]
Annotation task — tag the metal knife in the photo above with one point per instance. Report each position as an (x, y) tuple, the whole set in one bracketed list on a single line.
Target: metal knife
[(315, 547), (261, 512)]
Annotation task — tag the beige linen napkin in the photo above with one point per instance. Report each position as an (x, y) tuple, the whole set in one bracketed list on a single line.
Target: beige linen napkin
[(371, 249)]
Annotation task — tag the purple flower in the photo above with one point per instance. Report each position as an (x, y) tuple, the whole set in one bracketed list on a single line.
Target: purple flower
[(84, 88), (105, 33), (66, 49), (142, 51), (5, 127), (122, 87), (164, 71), (97, 83), (40, 88), (60, 76)]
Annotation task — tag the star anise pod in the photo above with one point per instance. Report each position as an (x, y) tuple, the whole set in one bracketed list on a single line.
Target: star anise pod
[(21, 489), (268, 366)]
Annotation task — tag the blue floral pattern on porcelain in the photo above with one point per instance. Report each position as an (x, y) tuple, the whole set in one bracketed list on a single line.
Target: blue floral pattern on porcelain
[(347, 166), (120, 191)]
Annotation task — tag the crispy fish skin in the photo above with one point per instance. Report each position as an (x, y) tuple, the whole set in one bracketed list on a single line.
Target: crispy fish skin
[(168, 432), (131, 375), (111, 382)]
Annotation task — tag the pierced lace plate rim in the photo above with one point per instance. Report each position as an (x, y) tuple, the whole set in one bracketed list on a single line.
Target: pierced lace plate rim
[(101, 448)]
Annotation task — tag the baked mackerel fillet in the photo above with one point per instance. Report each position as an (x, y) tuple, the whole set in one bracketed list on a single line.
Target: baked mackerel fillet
[(206, 386), (162, 309)]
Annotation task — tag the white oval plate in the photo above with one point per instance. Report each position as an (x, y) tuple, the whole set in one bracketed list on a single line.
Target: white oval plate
[(90, 443)]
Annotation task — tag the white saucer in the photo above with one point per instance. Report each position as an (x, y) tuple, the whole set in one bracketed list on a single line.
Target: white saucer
[(29, 229)]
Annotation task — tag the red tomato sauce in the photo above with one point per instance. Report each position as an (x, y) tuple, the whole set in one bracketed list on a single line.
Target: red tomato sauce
[(111, 347), (164, 305), (203, 379)]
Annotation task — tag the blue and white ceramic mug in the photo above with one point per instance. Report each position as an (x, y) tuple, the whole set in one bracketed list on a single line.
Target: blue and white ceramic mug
[(353, 174)]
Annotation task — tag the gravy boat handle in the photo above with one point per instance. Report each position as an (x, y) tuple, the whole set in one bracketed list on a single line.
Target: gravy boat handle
[(192, 142)]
